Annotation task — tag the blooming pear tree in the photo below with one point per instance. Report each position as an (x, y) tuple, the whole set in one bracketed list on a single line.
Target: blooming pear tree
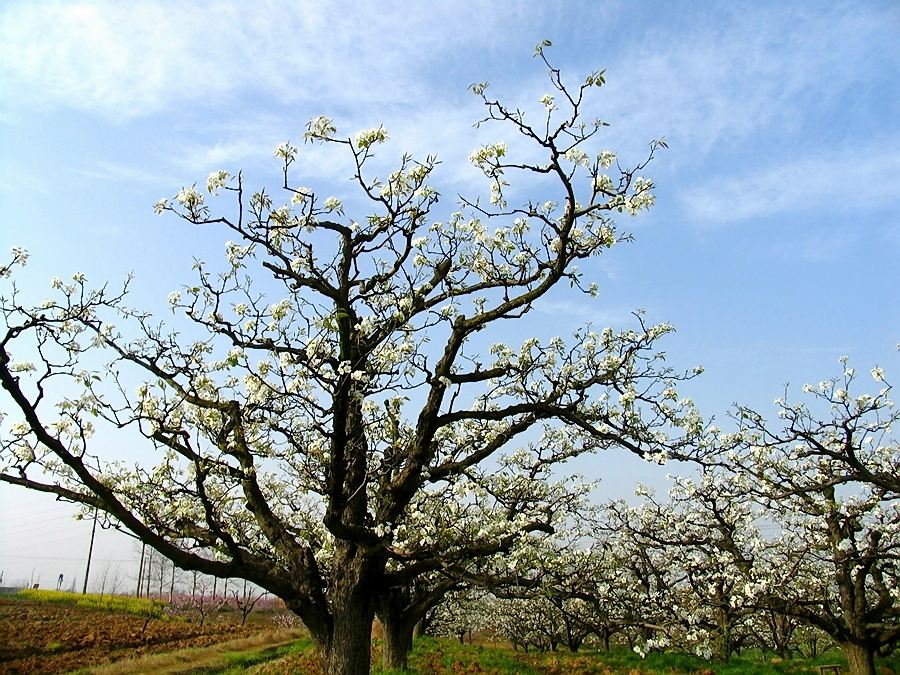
[(826, 475), (576, 579), (333, 380), (463, 612), (834, 436), (530, 623), (476, 524), (708, 531), (593, 588)]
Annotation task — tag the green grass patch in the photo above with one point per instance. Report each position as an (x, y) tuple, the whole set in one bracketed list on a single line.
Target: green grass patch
[(437, 655), (112, 603), (443, 656), (236, 663), (236, 656), (431, 655)]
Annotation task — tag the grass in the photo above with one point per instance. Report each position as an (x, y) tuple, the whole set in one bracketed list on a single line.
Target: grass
[(234, 662), (436, 656), (234, 656), (114, 603)]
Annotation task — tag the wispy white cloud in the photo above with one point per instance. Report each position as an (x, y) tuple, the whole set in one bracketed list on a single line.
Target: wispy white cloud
[(718, 79), (732, 72), (578, 312), (842, 180), (137, 58), (822, 245), (113, 171)]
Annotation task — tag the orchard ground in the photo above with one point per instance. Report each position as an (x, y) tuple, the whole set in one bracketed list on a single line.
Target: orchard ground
[(49, 632), (40, 636)]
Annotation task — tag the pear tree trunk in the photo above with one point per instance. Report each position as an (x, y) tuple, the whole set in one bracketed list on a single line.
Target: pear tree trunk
[(860, 658), (348, 651), (399, 625), (345, 638), (398, 642)]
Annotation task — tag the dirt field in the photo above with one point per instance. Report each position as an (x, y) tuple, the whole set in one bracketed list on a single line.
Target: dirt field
[(45, 638)]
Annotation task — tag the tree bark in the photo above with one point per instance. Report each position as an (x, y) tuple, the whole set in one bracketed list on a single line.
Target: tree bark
[(398, 642), (349, 650), (399, 624), (419, 629), (342, 628), (860, 658)]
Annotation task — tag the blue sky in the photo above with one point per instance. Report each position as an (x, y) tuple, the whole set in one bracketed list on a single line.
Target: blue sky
[(773, 247)]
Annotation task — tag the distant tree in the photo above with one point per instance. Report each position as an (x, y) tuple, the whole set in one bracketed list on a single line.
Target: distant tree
[(706, 534), (826, 473), (246, 599), (336, 372), (459, 519), (838, 436), (464, 612), (592, 588)]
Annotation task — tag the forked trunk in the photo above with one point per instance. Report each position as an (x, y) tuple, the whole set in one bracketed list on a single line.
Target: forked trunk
[(606, 635), (347, 644), (860, 658)]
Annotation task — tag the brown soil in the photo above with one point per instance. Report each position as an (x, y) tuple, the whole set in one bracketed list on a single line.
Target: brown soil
[(43, 638)]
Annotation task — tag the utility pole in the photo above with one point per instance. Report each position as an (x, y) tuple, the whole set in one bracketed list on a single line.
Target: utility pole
[(87, 569), (149, 570), (141, 570)]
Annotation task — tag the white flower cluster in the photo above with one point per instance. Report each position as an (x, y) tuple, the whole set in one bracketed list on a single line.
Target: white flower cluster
[(216, 181), (189, 198), (368, 137), (320, 129), (577, 156), (604, 183), (20, 256), (300, 195), (286, 151), (488, 154), (279, 310), (236, 253), (333, 204), (403, 183)]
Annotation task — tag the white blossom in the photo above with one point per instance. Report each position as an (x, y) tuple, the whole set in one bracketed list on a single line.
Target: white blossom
[(321, 128), (286, 151), (216, 180), (606, 158), (367, 137)]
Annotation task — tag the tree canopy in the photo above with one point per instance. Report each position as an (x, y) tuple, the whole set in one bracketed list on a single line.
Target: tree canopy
[(326, 414)]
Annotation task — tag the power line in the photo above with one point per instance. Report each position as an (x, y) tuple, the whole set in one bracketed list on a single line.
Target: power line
[(4, 556), (60, 506), (37, 521)]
